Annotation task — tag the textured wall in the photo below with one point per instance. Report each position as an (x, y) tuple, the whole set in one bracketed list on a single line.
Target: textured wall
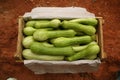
[(11, 9)]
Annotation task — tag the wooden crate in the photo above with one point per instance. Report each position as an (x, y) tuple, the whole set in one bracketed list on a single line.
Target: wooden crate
[(99, 38)]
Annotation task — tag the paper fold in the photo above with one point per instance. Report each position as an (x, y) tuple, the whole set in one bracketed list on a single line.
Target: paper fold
[(42, 67), (58, 12)]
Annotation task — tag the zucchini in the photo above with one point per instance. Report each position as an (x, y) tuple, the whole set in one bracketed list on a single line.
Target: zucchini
[(29, 55), (39, 48), (44, 35), (92, 49), (87, 29), (30, 30), (27, 41), (79, 48), (62, 41), (48, 24), (30, 23), (86, 21)]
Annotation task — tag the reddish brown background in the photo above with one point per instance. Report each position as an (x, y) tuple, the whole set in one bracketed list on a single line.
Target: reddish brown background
[(11, 9)]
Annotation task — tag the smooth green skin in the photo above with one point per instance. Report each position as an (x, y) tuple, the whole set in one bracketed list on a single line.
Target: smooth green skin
[(47, 29), (29, 31), (87, 29), (27, 41), (42, 21), (40, 24), (91, 57), (39, 48), (62, 41), (44, 35), (30, 23), (29, 55), (92, 49), (79, 48), (80, 33), (86, 21), (55, 23), (48, 24), (47, 44)]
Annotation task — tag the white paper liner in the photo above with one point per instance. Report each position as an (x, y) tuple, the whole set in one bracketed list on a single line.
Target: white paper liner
[(42, 67), (59, 12)]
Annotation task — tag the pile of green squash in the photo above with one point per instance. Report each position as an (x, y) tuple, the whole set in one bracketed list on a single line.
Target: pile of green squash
[(58, 39)]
